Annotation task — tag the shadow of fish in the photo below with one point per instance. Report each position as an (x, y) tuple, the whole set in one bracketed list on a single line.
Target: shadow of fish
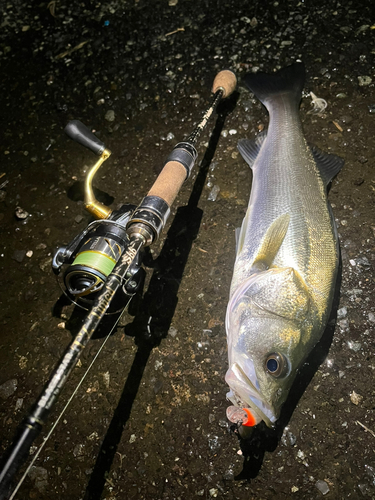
[(287, 256)]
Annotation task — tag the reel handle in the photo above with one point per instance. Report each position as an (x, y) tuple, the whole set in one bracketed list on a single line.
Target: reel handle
[(77, 131)]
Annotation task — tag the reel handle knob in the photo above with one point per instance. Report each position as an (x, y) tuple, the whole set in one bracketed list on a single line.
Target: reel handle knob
[(226, 81), (77, 131)]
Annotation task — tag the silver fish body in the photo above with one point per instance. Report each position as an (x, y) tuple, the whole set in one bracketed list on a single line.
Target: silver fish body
[(287, 254)]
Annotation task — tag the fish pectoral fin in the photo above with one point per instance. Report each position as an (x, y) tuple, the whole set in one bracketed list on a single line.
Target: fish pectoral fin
[(328, 165), (271, 243), (249, 149)]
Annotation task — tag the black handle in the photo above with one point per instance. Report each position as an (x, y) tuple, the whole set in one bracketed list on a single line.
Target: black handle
[(77, 131), (16, 456)]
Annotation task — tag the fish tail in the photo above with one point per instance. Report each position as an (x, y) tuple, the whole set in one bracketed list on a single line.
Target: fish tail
[(289, 80)]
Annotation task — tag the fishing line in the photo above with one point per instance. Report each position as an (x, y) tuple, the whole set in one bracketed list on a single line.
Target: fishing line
[(62, 412)]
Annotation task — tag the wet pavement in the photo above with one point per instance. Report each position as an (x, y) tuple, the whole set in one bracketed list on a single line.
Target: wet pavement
[(149, 420)]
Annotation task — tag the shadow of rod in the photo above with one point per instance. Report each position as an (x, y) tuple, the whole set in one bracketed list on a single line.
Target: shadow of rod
[(156, 310)]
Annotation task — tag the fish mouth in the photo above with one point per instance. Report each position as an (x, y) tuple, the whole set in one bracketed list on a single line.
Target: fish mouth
[(244, 393)]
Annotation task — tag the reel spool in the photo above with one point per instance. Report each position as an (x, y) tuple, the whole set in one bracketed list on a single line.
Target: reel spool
[(93, 263), (83, 266)]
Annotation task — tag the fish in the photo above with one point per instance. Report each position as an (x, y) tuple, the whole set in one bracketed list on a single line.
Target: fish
[(287, 258)]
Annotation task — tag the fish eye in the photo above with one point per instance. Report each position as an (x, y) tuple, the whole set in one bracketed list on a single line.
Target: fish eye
[(276, 365)]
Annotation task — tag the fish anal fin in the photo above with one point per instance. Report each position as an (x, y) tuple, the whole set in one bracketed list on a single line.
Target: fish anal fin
[(329, 165), (271, 243)]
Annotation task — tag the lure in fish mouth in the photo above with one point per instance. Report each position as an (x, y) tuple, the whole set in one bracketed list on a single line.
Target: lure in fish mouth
[(287, 256)]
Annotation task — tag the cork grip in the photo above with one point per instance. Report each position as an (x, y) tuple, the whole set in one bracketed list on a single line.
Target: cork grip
[(169, 182), (225, 80)]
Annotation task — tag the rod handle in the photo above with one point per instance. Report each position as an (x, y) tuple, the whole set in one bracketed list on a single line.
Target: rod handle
[(176, 170), (77, 131), (169, 182), (226, 81), (16, 456)]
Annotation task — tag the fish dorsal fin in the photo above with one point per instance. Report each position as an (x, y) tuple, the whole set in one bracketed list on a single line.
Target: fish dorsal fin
[(271, 243), (249, 149), (328, 165)]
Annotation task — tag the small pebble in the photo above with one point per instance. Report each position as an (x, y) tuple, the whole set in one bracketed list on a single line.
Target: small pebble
[(110, 116), (93, 436), (354, 346), (172, 331), (213, 193), (363, 262), (22, 363), (19, 403), (322, 486), (20, 213), (8, 388), (19, 255), (79, 450), (355, 398), (342, 313), (364, 80), (229, 475), (40, 476)]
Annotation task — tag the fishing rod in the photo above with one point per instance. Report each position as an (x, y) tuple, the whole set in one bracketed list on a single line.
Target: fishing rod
[(104, 262)]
